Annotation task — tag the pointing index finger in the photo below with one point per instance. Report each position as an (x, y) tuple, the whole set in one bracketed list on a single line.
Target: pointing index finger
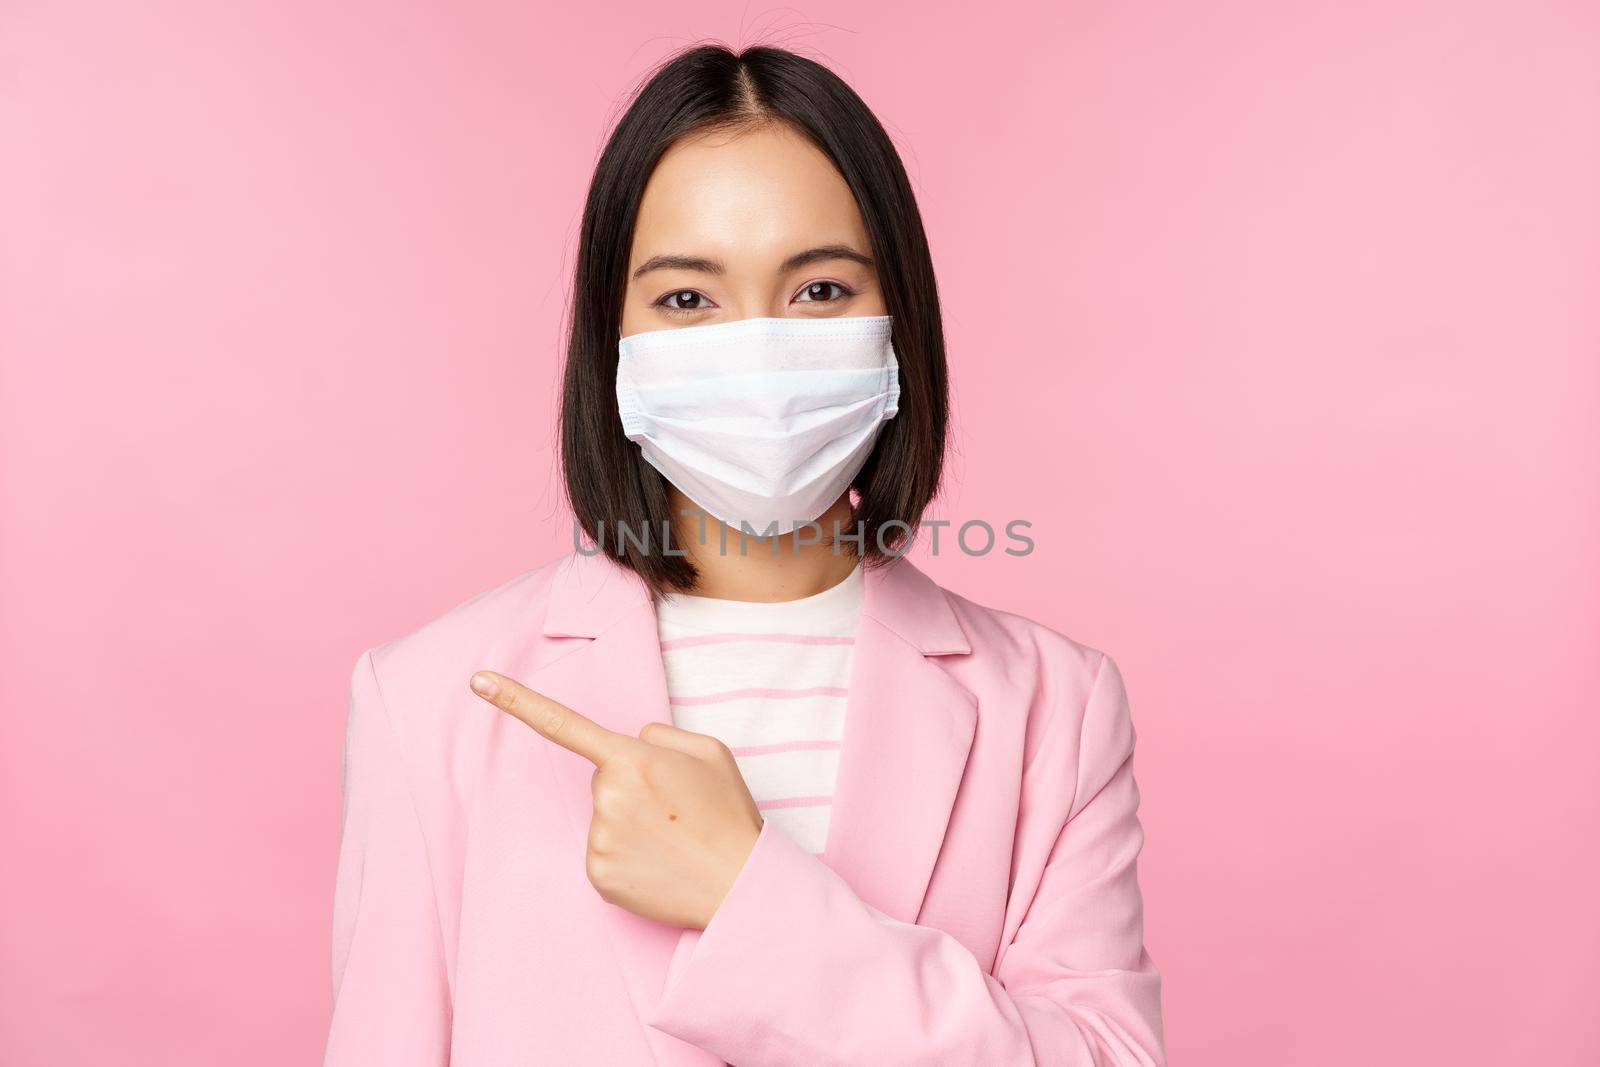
[(551, 718)]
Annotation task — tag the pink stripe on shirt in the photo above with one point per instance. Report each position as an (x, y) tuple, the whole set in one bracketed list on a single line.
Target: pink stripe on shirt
[(794, 802), (784, 746)]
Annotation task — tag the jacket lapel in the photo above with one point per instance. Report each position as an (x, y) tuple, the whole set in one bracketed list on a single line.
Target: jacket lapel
[(908, 730), (615, 677)]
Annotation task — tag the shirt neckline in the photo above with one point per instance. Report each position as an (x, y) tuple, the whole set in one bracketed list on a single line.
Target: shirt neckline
[(838, 602)]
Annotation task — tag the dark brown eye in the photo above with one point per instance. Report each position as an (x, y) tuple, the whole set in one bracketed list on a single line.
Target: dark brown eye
[(817, 292), (682, 300)]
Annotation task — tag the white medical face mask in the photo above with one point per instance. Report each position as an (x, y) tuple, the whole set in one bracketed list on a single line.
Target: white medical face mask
[(760, 420)]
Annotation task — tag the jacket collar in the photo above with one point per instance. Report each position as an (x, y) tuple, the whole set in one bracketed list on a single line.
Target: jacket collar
[(590, 593)]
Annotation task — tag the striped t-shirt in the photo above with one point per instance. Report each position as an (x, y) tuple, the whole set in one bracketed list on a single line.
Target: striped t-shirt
[(768, 680)]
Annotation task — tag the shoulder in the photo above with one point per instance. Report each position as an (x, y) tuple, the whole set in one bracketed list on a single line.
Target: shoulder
[(1025, 646), (1070, 692), (514, 603), (430, 662)]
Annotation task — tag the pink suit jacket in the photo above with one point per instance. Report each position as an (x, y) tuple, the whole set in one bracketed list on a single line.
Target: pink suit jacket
[(977, 902)]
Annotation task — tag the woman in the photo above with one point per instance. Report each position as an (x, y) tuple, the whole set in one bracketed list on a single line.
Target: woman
[(734, 781)]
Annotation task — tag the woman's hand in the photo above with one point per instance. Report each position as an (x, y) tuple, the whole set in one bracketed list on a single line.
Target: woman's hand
[(673, 819)]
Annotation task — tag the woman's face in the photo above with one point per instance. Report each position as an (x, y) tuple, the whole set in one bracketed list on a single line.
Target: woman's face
[(734, 226)]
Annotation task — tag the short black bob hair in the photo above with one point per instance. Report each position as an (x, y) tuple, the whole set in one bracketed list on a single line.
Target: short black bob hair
[(710, 87)]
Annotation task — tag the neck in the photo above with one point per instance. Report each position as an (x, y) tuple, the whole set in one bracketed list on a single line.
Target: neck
[(795, 565)]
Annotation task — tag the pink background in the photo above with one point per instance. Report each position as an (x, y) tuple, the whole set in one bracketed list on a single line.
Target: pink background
[(1277, 320)]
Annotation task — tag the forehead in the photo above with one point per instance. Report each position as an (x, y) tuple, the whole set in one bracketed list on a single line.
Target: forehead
[(745, 198)]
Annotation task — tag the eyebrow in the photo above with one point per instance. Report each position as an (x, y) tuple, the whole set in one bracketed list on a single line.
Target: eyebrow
[(713, 266)]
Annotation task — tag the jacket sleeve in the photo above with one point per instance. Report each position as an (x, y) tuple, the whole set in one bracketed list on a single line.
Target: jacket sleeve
[(794, 968), (391, 996)]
